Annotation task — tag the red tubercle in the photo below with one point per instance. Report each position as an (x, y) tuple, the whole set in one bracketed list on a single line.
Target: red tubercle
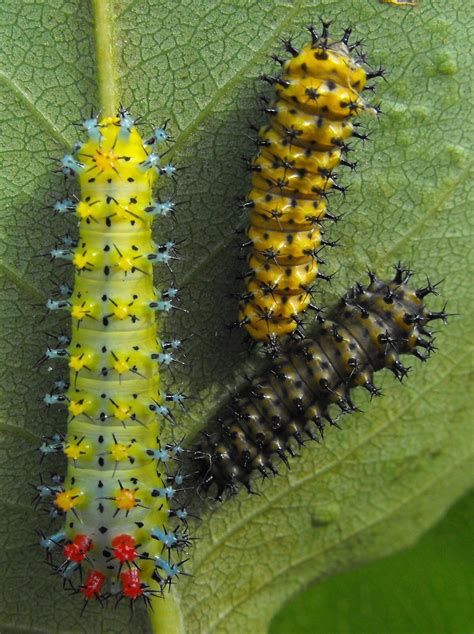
[(77, 550), (124, 548), (131, 583), (93, 584)]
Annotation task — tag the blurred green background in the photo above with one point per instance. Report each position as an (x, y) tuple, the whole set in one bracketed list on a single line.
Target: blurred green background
[(427, 589)]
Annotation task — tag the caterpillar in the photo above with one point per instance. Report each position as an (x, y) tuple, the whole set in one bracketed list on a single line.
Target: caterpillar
[(123, 530), (367, 331), (316, 97), (401, 3)]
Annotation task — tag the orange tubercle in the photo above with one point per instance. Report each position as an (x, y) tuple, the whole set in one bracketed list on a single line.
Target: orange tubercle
[(67, 500), (126, 499)]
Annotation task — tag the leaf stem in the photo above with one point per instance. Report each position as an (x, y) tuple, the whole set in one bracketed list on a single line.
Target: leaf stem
[(165, 615), (103, 11)]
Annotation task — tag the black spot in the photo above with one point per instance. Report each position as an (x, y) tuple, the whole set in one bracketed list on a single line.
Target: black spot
[(320, 54)]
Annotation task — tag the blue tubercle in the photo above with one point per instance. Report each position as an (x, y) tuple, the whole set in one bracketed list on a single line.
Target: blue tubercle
[(176, 478), (46, 491), (161, 135), (170, 570), (161, 209), (170, 540), (52, 445), (174, 344), (169, 170), (54, 399), (53, 541), (68, 241), (162, 455), (165, 492), (57, 304), (91, 126), (65, 206), (67, 569), (181, 514), (160, 409), (61, 254), (153, 160), (163, 358), (55, 353), (126, 122), (177, 397), (70, 166), (64, 290)]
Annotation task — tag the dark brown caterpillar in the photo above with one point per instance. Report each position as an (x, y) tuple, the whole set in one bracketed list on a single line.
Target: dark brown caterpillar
[(368, 331), (316, 98)]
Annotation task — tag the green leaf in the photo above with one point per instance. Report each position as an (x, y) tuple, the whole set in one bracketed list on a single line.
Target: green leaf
[(426, 589), (371, 489)]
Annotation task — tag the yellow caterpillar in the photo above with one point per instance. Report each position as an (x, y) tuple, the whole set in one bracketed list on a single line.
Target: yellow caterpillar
[(118, 498), (316, 97)]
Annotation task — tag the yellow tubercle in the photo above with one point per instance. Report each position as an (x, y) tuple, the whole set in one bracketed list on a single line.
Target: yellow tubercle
[(105, 160), (83, 310), (120, 366), (126, 499), (67, 500), (83, 360), (77, 450), (119, 452), (80, 406), (121, 412)]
